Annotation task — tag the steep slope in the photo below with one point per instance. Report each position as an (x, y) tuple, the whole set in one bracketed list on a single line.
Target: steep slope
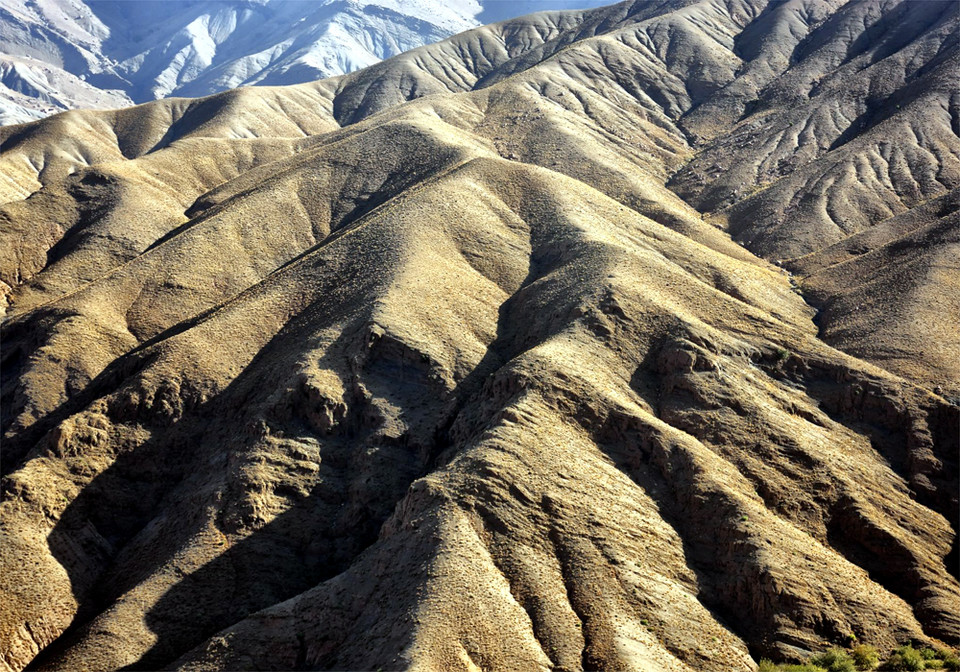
[(426, 366), (808, 121), (66, 54), (889, 292)]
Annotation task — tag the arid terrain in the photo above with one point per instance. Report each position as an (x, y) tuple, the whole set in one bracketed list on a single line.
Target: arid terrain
[(620, 339)]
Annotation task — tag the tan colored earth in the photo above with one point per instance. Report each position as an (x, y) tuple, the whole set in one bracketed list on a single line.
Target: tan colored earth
[(623, 339)]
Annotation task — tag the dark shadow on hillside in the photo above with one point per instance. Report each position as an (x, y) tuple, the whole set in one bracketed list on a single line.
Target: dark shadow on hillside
[(272, 569), (170, 480), (315, 538)]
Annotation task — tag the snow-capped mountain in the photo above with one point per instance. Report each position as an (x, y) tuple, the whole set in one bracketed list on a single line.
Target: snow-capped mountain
[(64, 54)]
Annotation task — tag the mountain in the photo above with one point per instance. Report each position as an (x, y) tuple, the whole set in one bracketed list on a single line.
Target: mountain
[(615, 339), (65, 54)]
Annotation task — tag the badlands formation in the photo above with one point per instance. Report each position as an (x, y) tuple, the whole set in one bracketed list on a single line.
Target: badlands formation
[(620, 339)]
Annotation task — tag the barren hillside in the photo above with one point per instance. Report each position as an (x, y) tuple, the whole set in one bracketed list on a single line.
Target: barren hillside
[(619, 339)]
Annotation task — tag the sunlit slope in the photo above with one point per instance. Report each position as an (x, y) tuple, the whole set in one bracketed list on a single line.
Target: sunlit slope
[(793, 124), (289, 372)]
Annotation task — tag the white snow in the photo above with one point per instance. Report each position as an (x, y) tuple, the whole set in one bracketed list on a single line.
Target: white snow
[(62, 54)]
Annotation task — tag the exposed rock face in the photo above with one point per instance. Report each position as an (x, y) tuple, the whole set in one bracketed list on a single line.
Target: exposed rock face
[(430, 366)]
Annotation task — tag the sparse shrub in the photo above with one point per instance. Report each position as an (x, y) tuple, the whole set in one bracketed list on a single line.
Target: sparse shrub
[(950, 660), (834, 660), (905, 659), (865, 657)]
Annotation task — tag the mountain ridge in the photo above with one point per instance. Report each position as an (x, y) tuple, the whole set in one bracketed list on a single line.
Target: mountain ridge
[(440, 328), (97, 54)]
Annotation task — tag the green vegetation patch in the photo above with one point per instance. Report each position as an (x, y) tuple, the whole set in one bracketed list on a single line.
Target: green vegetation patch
[(863, 657)]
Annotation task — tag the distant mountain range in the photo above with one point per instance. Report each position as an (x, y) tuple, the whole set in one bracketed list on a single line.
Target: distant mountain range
[(66, 54)]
